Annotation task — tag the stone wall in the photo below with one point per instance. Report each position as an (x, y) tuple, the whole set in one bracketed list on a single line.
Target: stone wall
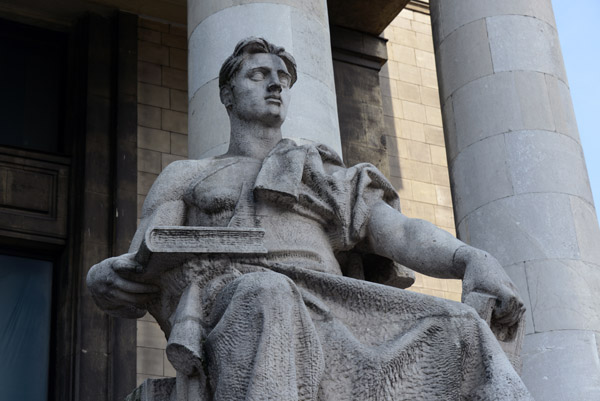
[(162, 138), (414, 134)]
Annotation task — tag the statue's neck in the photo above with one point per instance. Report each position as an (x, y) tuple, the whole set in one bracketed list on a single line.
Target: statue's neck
[(252, 140)]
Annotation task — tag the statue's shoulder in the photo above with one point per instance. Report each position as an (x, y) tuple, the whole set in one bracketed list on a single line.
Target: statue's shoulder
[(177, 176), (182, 171), (183, 166)]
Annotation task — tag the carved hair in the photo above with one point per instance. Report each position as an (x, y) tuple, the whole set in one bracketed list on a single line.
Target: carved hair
[(253, 45)]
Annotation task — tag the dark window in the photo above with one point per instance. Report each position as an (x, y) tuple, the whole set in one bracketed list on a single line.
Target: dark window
[(32, 83), (25, 318)]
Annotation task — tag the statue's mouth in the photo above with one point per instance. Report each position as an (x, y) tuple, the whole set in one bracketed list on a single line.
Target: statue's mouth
[(273, 99)]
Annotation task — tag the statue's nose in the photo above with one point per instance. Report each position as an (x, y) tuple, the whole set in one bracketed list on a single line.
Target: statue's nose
[(274, 86)]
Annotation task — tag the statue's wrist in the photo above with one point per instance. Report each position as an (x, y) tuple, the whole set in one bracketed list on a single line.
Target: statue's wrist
[(464, 255)]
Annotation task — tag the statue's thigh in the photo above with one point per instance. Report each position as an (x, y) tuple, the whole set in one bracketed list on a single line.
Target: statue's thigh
[(263, 331), (255, 291)]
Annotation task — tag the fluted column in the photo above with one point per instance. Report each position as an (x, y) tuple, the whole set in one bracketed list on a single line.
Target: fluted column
[(519, 181), (302, 27)]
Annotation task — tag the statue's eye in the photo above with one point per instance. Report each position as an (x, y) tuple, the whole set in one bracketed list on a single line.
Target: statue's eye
[(257, 75), (285, 80)]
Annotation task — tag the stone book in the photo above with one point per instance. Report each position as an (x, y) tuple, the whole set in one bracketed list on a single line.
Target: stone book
[(165, 247)]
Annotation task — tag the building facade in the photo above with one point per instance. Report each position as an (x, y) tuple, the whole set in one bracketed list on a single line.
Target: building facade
[(497, 169)]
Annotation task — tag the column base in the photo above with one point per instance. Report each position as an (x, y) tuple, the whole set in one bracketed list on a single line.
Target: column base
[(562, 365), (153, 390)]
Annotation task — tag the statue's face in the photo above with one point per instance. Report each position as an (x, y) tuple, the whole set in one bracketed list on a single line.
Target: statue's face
[(261, 90)]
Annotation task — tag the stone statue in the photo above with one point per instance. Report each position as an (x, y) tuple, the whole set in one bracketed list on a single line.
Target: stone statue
[(278, 318)]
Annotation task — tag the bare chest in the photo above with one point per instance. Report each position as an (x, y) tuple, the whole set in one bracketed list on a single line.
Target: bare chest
[(212, 199)]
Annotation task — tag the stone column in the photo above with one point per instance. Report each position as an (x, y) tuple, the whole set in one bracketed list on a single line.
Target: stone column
[(302, 27), (519, 181), (360, 105)]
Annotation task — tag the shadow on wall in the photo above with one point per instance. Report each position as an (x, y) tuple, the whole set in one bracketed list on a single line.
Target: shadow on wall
[(391, 127)]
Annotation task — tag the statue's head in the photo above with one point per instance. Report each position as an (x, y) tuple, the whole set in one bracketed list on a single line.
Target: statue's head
[(254, 82)]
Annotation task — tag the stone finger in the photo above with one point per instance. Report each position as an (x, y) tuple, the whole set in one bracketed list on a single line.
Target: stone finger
[(135, 288)]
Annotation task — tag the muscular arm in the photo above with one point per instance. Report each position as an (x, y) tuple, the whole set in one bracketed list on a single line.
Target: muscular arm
[(110, 281), (164, 204), (429, 250), (414, 243)]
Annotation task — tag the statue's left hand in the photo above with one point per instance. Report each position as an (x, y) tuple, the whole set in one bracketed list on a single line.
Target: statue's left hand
[(483, 273)]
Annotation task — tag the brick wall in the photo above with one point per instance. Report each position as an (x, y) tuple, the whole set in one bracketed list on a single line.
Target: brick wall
[(413, 121), (162, 138)]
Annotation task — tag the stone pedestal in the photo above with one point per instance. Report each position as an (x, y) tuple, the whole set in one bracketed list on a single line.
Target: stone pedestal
[(155, 390), (519, 181), (214, 28)]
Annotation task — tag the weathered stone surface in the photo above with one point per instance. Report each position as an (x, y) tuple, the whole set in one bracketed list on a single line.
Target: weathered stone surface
[(562, 107), (450, 137), (531, 226), (536, 112), (538, 219), (457, 13), (199, 11), (483, 185), (585, 218), (563, 365), (207, 130), (259, 265), (359, 101), (563, 295), (500, 103), (312, 115), (153, 390), (469, 49), (521, 43), (543, 161)]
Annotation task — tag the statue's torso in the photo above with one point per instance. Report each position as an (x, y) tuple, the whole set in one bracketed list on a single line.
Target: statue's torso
[(222, 195)]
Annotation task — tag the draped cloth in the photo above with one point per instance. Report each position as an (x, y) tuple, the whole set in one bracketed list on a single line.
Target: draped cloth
[(297, 334), (313, 181), (277, 330)]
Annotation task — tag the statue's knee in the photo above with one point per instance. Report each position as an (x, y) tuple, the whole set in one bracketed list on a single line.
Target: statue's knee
[(465, 312), (265, 286)]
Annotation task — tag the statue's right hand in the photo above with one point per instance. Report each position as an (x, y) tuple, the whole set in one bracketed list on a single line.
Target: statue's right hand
[(115, 294)]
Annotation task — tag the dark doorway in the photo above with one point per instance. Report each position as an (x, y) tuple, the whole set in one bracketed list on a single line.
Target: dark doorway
[(25, 321)]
